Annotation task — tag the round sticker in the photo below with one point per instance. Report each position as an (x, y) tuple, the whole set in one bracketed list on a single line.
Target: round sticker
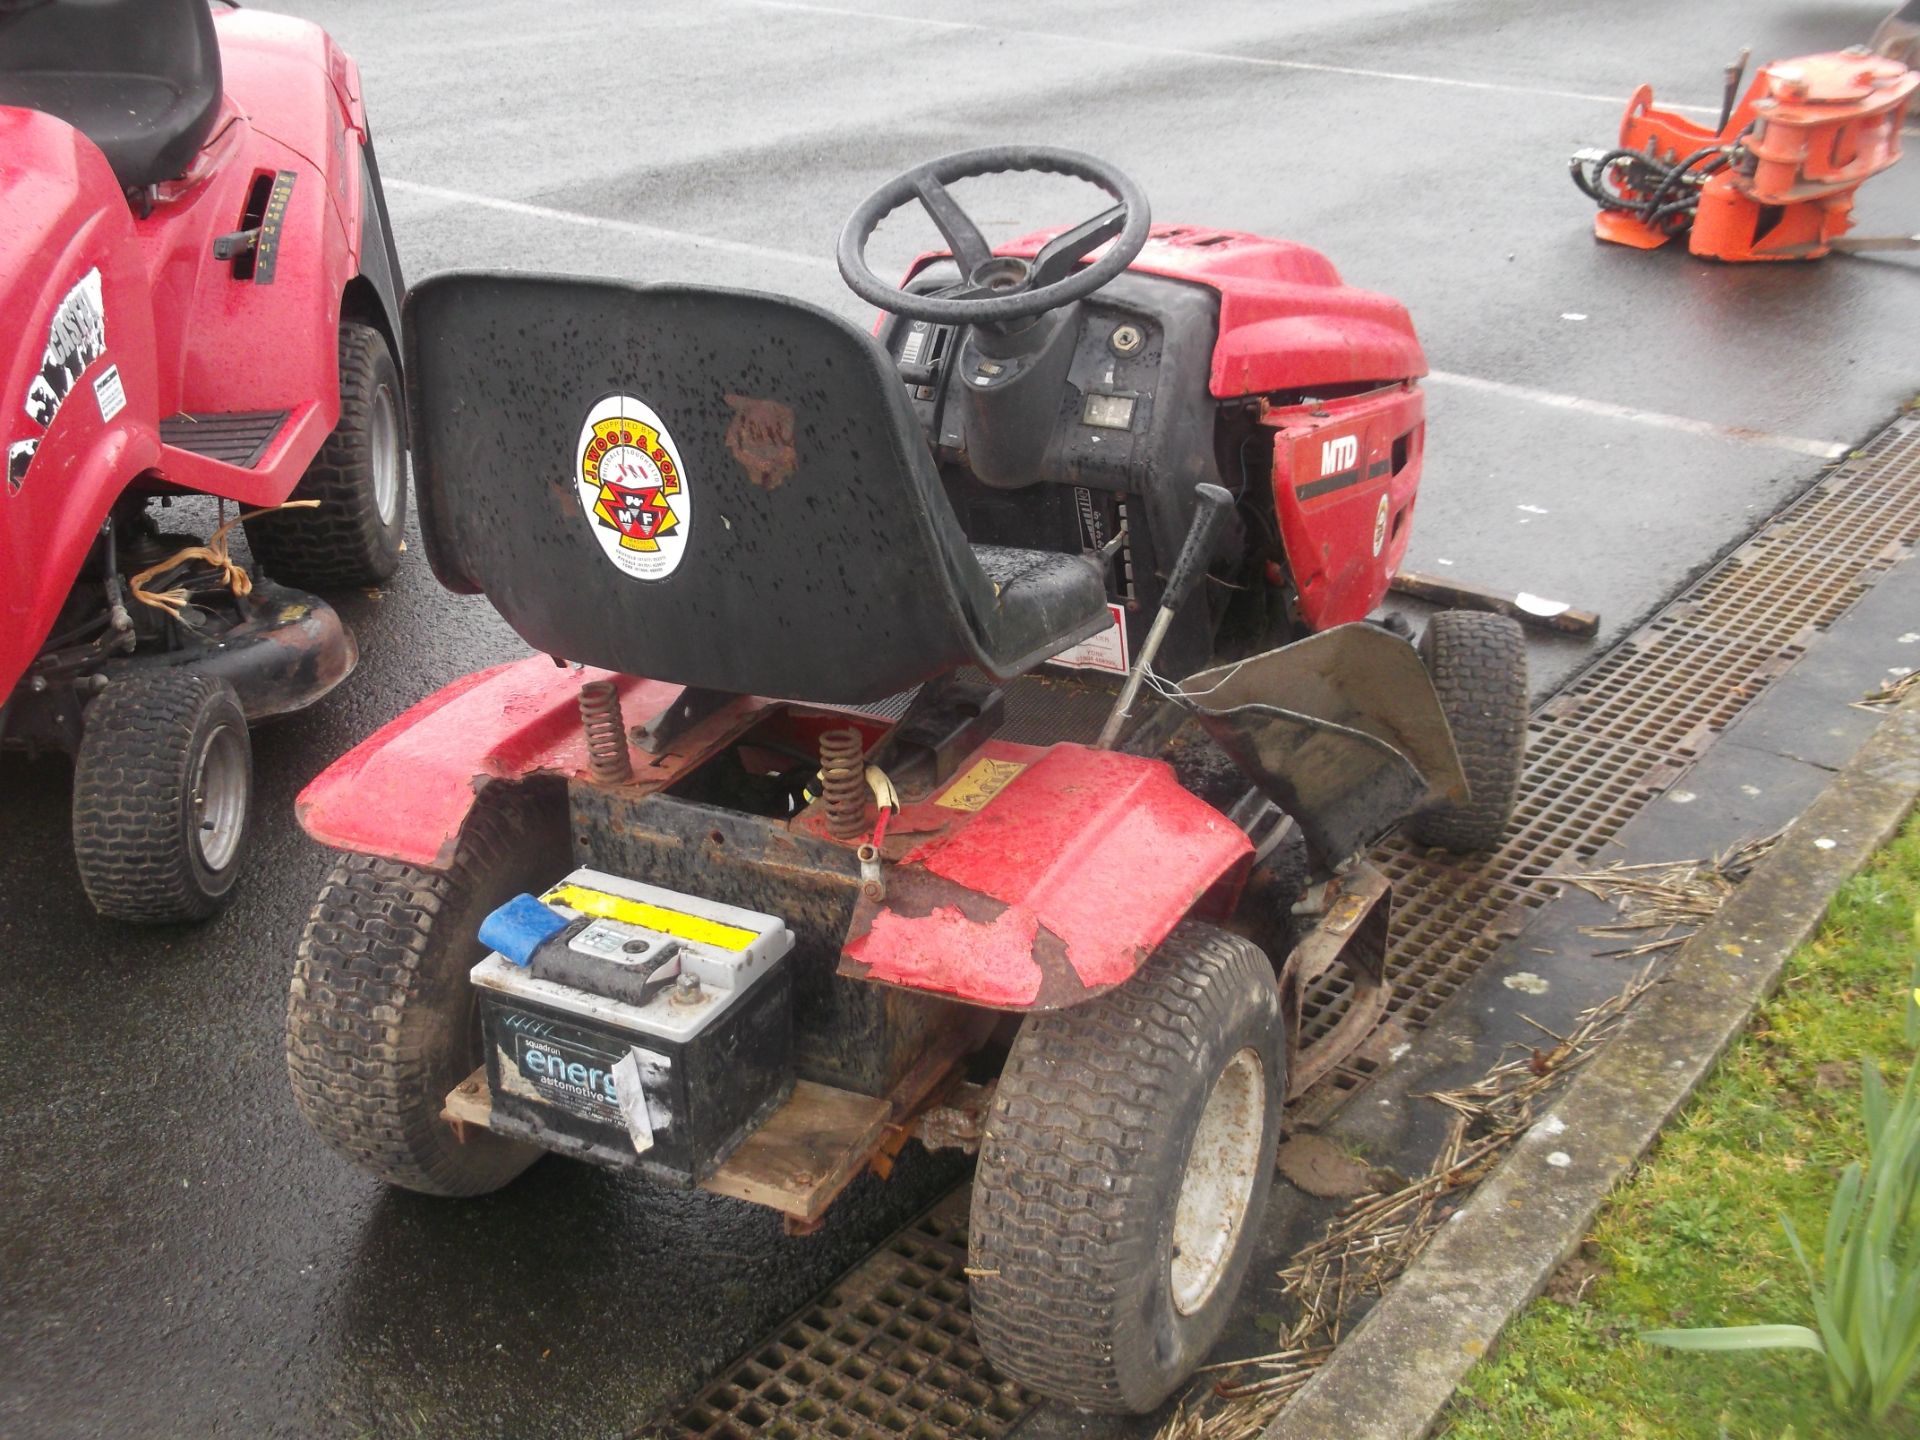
[(632, 487), (1380, 526)]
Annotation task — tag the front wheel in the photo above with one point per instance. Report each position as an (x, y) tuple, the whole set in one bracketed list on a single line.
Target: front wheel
[(1478, 664), (381, 1018), (1124, 1173), (163, 786)]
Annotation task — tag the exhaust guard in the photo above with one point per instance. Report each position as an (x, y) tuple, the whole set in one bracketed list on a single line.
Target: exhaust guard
[(1342, 730)]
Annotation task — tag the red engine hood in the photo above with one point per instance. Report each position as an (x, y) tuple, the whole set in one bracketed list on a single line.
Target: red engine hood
[(1287, 322)]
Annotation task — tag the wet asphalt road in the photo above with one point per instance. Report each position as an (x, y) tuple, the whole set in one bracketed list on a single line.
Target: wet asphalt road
[(181, 1258)]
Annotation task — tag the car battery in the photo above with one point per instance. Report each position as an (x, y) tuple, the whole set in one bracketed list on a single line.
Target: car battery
[(634, 1026)]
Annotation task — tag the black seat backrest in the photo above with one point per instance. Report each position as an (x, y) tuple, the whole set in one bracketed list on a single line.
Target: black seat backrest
[(709, 487), (139, 78)]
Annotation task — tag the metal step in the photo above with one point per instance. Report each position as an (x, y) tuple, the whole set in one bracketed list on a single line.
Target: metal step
[(233, 437)]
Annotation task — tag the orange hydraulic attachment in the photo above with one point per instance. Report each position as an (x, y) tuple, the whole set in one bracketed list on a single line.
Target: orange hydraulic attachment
[(1776, 182)]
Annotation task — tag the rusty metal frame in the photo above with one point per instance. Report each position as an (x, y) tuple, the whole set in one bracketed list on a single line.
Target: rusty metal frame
[(1351, 931)]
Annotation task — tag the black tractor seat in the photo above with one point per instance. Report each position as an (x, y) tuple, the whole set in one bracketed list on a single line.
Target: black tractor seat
[(139, 78), (808, 553)]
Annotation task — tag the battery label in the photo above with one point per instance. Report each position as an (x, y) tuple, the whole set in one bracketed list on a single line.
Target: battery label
[(571, 1070)]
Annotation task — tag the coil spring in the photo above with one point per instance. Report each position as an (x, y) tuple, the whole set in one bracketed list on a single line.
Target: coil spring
[(843, 782), (608, 759)]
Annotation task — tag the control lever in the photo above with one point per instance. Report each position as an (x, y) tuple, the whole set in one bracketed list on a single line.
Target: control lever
[(228, 247), (1214, 503)]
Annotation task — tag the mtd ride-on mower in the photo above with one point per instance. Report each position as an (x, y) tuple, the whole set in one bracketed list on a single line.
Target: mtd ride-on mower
[(201, 297), (826, 827)]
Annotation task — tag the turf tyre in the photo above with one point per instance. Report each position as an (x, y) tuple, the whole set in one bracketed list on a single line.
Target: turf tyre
[(1089, 1142), (156, 749), (1478, 664), (381, 1018), (359, 477)]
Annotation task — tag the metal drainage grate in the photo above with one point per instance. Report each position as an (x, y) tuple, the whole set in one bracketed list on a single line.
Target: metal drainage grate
[(1624, 729), (888, 1351)]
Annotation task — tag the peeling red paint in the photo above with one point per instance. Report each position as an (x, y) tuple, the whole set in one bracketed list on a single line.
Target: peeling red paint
[(949, 954)]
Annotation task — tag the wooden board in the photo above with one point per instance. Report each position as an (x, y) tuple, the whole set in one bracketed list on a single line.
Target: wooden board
[(806, 1153), (1527, 609)]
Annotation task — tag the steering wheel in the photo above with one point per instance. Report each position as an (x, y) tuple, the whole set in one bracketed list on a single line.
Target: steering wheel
[(998, 287)]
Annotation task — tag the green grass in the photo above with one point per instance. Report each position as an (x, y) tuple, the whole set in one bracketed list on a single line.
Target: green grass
[(1694, 1237)]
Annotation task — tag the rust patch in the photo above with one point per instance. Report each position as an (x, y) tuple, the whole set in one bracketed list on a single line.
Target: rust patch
[(761, 439)]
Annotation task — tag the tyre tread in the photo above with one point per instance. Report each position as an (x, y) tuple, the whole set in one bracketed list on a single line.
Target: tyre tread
[(1084, 1092), (1478, 663), (129, 823), (377, 952), (341, 543)]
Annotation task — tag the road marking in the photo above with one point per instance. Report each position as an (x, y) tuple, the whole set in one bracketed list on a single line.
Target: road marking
[(604, 222), (1261, 62), (1819, 449)]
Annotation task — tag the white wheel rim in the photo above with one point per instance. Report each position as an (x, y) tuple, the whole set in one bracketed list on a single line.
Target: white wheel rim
[(1217, 1190), (383, 438), (219, 800)]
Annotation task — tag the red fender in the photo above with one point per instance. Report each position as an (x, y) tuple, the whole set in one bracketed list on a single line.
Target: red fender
[(67, 250), (404, 791), (1052, 876)]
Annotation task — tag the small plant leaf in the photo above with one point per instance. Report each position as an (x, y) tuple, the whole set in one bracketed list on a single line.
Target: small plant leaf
[(1873, 1104), (1737, 1337)]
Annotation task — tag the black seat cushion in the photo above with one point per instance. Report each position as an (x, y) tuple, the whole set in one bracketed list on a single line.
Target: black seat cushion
[(139, 78), (806, 549)]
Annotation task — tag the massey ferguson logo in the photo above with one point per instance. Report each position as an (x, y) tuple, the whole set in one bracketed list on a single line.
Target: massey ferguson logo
[(1340, 454)]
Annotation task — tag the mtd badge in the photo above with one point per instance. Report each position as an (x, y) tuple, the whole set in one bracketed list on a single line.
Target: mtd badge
[(632, 487)]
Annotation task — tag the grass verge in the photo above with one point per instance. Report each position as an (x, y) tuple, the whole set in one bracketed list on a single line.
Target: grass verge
[(1694, 1238)]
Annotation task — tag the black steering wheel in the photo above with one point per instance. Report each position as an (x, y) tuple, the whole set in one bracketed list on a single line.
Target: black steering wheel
[(998, 287)]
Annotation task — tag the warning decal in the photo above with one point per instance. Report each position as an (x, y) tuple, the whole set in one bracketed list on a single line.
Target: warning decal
[(632, 487), (983, 780)]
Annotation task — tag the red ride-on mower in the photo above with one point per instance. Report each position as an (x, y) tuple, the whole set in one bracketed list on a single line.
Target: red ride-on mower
[(970, 732), (201, 298)]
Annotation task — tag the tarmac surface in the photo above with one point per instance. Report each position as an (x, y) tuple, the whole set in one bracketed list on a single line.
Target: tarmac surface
[(181, 1257)]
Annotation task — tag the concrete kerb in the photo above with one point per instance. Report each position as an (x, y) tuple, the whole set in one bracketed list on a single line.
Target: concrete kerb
[(1392, 1377)]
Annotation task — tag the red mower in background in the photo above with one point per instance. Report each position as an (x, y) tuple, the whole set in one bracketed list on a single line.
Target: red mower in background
[(202, 297), (970, 731)]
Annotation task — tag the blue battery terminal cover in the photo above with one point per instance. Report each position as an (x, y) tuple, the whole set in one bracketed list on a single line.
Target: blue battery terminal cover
[(520, 927)]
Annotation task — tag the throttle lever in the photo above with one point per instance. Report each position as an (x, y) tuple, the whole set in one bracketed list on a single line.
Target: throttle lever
[(1213, 503)]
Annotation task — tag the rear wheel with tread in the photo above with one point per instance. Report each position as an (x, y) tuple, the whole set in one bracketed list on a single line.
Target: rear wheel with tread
[(163, 786), (1478, 664), (1124, 1173), (381, 1019), (359, 477)]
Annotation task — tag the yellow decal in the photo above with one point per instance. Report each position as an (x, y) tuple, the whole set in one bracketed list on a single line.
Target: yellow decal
[(984, 780), (654, 917)]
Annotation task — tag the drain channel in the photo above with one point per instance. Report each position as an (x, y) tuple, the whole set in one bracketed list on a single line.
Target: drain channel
[(1621, 731), (889, 1350)]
